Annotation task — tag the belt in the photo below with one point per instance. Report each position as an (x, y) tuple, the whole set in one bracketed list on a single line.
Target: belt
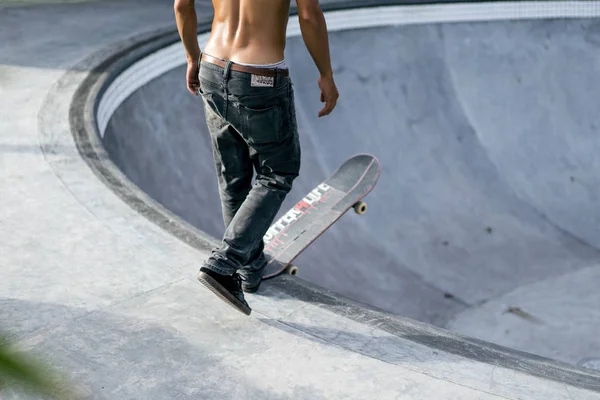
[(245, 68)]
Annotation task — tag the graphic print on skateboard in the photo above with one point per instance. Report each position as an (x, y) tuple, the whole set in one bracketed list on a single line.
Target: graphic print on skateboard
[(317, 211)]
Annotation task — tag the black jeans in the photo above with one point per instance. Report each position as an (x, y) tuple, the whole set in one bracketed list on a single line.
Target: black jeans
[(252, 124)]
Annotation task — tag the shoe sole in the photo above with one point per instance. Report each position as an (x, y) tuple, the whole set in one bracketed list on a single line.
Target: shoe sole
[(222, 293)]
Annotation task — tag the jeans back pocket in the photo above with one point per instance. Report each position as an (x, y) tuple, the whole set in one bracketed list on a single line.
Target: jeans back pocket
[(261, 125)]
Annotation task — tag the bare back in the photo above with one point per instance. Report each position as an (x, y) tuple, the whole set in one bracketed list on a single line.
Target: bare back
[(249, 31)]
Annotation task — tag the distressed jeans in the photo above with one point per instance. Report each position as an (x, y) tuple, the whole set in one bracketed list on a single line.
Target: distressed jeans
[(253, 130)]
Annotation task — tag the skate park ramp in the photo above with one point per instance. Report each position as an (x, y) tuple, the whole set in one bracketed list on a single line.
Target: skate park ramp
[(485, 218)]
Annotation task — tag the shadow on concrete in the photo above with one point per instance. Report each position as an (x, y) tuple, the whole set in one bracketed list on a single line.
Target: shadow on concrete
[(114, 356)]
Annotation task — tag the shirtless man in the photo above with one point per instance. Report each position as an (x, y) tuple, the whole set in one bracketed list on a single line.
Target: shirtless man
[(248, 100)]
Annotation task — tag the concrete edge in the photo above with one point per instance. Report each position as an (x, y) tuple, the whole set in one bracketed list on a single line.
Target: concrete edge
[(82, 120), (105, 67)]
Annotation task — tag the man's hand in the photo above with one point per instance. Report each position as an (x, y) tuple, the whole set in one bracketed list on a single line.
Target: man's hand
[(192, 79), (329, 94)]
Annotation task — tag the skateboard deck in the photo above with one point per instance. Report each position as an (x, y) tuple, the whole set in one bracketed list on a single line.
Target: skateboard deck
[(317, 211)]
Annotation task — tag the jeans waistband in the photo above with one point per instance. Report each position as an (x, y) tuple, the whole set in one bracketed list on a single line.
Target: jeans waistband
[(238, 82), (270, 72)]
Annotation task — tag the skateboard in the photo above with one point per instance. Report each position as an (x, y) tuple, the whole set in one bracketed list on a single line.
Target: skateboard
[(317, 211)]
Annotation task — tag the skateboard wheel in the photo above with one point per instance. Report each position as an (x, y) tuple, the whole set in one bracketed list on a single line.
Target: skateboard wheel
[(292, 270), (360, 208)]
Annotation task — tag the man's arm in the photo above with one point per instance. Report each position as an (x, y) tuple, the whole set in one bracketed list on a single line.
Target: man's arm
[(314, 34), (187, 21), (185, 15)]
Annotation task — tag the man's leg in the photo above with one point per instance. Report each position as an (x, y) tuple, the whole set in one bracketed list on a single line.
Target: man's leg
[(243, 237), (274, 148), (234, 170), (268, 126)]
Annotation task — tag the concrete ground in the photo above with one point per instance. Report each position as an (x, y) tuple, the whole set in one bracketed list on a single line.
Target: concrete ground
[(95, 282)]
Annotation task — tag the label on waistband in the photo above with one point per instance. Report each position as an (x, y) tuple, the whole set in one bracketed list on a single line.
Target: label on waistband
[(262, 81)]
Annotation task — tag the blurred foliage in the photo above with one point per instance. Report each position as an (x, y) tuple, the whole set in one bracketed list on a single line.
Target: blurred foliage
[(21, 372)]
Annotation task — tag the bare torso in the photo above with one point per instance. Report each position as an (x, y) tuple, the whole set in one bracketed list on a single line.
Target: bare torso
[(249, 31)]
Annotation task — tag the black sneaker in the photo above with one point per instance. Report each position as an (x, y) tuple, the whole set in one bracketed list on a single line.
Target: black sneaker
[(227, 287), (251, 279)]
